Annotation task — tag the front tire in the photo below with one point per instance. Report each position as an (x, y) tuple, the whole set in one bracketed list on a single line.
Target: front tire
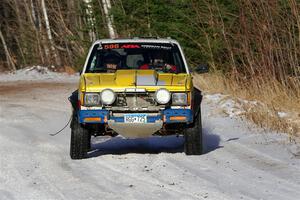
[(80, 141), (193, 144)]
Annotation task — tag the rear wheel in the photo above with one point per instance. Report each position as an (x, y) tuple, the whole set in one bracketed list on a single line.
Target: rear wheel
[(193, 144), (80, 140)]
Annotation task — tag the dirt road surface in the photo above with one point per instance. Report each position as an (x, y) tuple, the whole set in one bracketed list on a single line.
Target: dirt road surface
[(241, 161)]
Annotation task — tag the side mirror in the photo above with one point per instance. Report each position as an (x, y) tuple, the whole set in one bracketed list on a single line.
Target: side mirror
[(201, 69), (80, 72)]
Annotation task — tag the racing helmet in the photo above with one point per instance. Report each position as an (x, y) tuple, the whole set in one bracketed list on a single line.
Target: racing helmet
[(112, 57), (158, 58)]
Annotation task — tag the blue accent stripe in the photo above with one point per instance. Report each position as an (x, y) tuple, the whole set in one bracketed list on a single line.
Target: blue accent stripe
[(188, 113)]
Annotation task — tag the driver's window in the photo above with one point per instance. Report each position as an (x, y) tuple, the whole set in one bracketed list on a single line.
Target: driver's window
[(93, 63)]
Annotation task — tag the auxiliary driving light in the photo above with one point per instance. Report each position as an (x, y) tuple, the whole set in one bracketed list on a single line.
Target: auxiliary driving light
[(107, 96), (162, 96)]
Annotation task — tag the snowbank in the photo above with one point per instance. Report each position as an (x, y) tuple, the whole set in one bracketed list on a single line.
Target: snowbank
[(37, 73), (236, 106)]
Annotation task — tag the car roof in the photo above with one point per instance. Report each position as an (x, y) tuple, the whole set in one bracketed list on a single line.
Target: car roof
[(137, 40)]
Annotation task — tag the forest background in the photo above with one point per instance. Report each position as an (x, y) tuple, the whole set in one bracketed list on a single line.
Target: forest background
[(252, 46)]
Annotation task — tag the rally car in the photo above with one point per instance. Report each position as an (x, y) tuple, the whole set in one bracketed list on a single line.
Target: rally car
[(138, 87)]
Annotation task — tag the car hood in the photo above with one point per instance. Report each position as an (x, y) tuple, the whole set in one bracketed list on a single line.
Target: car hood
[(147, 79)]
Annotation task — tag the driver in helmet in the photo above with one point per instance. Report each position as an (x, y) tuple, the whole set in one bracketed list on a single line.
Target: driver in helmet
[(112, 61), (158, 63)]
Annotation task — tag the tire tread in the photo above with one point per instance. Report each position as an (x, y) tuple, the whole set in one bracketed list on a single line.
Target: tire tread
[(193, 144), (80, 141)]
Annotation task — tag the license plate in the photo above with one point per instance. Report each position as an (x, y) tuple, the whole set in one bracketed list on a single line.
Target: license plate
[(135, 118)]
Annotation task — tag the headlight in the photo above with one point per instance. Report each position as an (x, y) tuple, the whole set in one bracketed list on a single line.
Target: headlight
[(91, 99), (179, 99), (108, 97), (162, 96)]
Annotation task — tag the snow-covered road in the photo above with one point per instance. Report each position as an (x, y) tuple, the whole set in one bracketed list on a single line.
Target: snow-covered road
[(241, 162)]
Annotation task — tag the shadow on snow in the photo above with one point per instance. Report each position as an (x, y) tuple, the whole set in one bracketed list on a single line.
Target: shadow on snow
[(153, 145)]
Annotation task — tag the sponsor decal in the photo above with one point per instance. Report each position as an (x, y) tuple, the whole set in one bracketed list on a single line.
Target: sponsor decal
[(149, 46), (111, 46), (123, 46), (130, 46), (135, 46)]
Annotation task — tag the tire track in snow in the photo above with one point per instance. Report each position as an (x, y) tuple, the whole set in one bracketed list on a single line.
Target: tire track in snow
[(156, 181), (238, 171)]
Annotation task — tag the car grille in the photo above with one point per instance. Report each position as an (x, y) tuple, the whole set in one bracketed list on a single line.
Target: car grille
[(135, 102)]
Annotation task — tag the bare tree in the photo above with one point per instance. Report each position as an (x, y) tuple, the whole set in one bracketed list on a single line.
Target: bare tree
[(8, 56), (48, 29), (109, 18), (90, 19)]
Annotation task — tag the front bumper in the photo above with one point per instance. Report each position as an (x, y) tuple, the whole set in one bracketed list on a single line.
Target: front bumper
[(167, 116)]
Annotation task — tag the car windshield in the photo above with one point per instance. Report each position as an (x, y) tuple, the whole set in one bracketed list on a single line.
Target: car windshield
[(162, 57)]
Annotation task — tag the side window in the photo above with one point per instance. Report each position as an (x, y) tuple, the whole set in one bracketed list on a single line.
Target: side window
[(93, 63), (92, 60), (178, 62), (134, 61), (176, 59)]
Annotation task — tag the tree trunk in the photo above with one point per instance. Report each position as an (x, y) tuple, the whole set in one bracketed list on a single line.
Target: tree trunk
[(49, 34), (31, 11), (90, 20), (109, 18), (148, 18), (33, 14), (44, 51), (10, 62)]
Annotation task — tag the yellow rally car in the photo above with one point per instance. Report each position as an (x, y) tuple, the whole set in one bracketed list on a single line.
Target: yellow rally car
[(136, 88)]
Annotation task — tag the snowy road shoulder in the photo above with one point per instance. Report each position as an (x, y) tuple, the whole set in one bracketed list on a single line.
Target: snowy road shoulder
[(37, 74)]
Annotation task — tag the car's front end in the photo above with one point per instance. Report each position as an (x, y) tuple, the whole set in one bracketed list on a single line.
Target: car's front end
[(136, 103), (135, 88)]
